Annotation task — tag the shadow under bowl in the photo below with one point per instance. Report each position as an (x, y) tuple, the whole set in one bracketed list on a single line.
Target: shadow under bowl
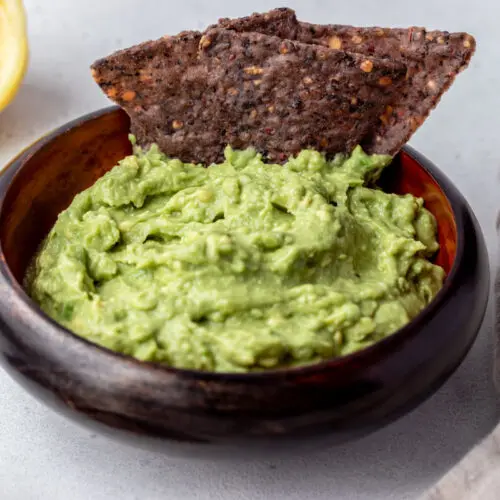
[(177, 410)]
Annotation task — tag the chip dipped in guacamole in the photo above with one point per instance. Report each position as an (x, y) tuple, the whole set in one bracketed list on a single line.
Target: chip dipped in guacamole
[(240, 266)]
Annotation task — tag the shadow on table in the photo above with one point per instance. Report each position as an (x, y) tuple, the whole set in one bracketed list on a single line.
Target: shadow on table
[(396, 463)]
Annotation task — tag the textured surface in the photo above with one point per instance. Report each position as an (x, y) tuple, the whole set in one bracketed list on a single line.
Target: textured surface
[(433, 59), (477, 476), (248, 89), (44, 457), (263, 90)]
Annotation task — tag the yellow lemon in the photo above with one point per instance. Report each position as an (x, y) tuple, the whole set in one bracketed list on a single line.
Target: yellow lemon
[(13, 49)]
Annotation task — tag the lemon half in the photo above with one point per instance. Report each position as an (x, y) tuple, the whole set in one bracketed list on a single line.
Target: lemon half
[(13, 49)]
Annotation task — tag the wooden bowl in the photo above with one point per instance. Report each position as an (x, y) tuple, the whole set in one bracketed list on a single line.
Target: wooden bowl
[(337, 399)]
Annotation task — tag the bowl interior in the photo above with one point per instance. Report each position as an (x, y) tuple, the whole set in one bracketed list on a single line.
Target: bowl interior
[(407, 175), (75, 156)]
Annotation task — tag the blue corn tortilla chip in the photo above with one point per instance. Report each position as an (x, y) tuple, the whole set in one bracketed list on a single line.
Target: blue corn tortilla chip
[(433, 59), (192, 94)]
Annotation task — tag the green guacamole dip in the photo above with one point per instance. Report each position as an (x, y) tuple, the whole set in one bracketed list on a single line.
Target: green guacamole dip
[(239, 266)]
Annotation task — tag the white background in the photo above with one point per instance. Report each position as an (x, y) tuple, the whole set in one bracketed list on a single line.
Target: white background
[(43, 456)]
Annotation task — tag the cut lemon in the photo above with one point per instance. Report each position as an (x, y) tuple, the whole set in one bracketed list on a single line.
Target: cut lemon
[(13, 49)]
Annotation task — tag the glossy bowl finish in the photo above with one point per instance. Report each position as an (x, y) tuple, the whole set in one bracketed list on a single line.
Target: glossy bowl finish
[(341, 398)]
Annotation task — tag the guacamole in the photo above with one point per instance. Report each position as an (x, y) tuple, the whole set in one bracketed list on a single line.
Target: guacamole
[(240, 266)]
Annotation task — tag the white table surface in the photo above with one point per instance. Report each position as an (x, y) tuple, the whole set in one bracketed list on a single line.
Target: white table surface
[(43, 456)]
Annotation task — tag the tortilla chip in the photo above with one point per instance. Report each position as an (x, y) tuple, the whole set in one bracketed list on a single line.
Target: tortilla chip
[(281, 96), (247, 89), (433, 59), (161, 86)]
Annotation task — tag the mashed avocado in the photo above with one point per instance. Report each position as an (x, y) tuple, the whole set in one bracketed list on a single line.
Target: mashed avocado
[(238, 266)]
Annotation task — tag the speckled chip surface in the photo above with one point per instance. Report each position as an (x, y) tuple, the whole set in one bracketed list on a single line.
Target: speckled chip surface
[(193, 95), (281, 96), (433, 58), (280, 85)]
